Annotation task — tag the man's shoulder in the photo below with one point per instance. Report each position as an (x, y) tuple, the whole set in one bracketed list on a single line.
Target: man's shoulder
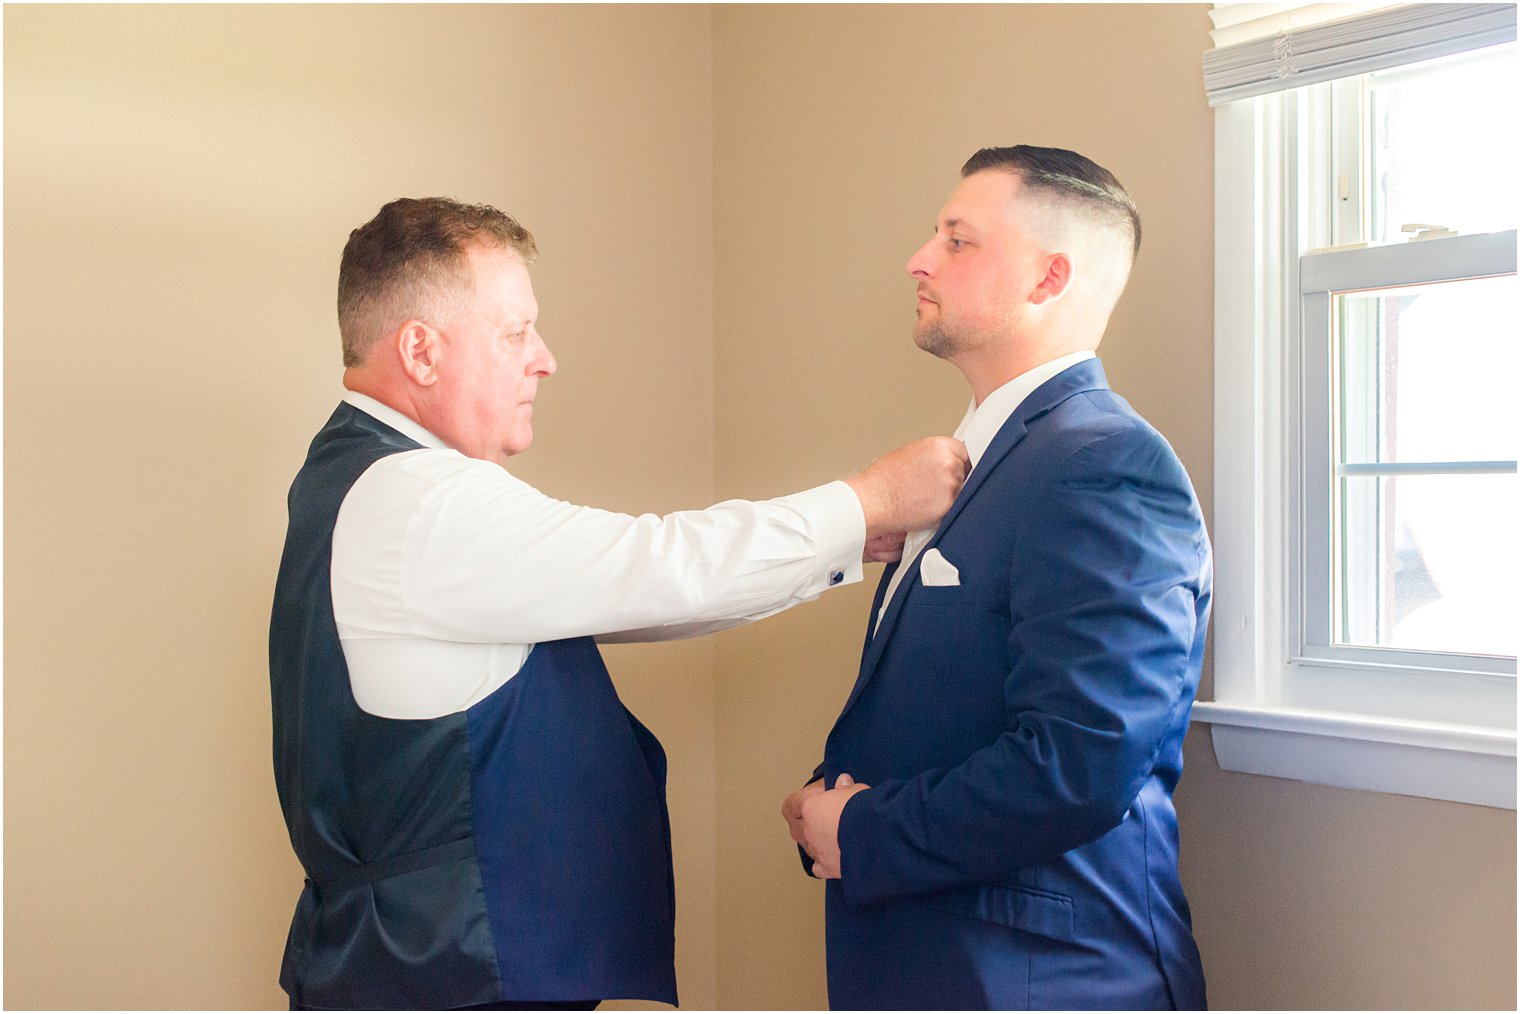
[(1097, 436), (1084, 418), (418, 469), (1101, 414), (434, 486)]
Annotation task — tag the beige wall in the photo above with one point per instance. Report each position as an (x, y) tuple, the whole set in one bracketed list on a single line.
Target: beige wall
[(178, 184)]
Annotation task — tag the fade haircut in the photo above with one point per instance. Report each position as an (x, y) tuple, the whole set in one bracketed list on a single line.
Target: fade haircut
[(412, 261), (1069, 181)]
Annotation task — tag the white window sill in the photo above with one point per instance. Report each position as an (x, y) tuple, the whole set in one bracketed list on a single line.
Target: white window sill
[(1462, 763)]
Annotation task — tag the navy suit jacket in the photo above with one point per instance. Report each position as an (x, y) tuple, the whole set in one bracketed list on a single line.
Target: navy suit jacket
[(1022, 732)]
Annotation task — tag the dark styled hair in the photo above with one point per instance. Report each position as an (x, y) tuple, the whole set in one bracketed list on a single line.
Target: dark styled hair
[(1068, 179), (411, 260)]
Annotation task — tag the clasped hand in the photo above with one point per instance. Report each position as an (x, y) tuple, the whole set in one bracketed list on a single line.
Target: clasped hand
[(812, 816)]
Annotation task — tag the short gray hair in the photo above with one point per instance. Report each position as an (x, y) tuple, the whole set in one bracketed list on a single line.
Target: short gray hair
[(411, 260)]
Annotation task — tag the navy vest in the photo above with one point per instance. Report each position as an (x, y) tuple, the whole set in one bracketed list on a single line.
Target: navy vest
[(519, 850)]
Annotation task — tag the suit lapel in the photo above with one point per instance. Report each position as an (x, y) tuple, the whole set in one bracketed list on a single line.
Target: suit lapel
[(1084, 376)]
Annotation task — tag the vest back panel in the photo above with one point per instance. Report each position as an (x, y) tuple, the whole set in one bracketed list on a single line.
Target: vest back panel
[(567, 892)]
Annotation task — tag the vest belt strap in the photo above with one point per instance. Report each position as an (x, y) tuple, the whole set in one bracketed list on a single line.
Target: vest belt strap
[(395, 866)]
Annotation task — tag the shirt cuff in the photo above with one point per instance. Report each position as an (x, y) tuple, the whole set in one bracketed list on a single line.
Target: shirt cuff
[(838, 529)]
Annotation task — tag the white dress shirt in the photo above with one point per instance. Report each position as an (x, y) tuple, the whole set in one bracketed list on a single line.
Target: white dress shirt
[(978, 426), (446, 570)]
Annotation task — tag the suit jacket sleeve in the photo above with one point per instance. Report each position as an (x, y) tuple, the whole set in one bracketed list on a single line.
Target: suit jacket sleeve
[(1104, 580)]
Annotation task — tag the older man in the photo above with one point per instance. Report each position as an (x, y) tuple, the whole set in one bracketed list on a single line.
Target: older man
[(994, 816), (481, 821)]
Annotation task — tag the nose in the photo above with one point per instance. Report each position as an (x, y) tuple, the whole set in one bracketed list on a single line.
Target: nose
[(542, 364), (921, 264)]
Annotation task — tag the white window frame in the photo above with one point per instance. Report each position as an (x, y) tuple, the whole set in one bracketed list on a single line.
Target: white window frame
[(1444, 731)]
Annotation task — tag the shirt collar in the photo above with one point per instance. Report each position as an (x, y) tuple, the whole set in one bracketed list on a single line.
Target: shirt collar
[(982, 422), (403, 424)]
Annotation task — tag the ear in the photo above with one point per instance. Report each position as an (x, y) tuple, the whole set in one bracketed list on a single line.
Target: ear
[(418, 348), (1059, 272)]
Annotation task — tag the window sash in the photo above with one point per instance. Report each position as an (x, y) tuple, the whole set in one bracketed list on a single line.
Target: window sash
[(1381, 468), (1321, 277), (1411, 263)]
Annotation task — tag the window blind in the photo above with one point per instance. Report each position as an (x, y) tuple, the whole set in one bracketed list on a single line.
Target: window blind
[(1272, 53)]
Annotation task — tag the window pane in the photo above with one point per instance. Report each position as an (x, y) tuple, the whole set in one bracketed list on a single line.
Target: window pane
[(1427, 373), (1427, 562), (1443, 144), (1423, 382)]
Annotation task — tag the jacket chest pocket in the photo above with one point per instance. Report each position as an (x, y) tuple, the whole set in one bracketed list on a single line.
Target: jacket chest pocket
[(954, 617)]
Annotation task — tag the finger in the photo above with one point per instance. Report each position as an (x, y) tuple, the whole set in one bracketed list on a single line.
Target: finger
[(844, 781)]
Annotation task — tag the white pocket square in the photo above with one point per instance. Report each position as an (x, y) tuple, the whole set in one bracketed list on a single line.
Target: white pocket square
[(938, 572)]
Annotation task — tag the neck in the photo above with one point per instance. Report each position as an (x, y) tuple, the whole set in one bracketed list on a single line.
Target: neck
[(365, 382), (987, 373)]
